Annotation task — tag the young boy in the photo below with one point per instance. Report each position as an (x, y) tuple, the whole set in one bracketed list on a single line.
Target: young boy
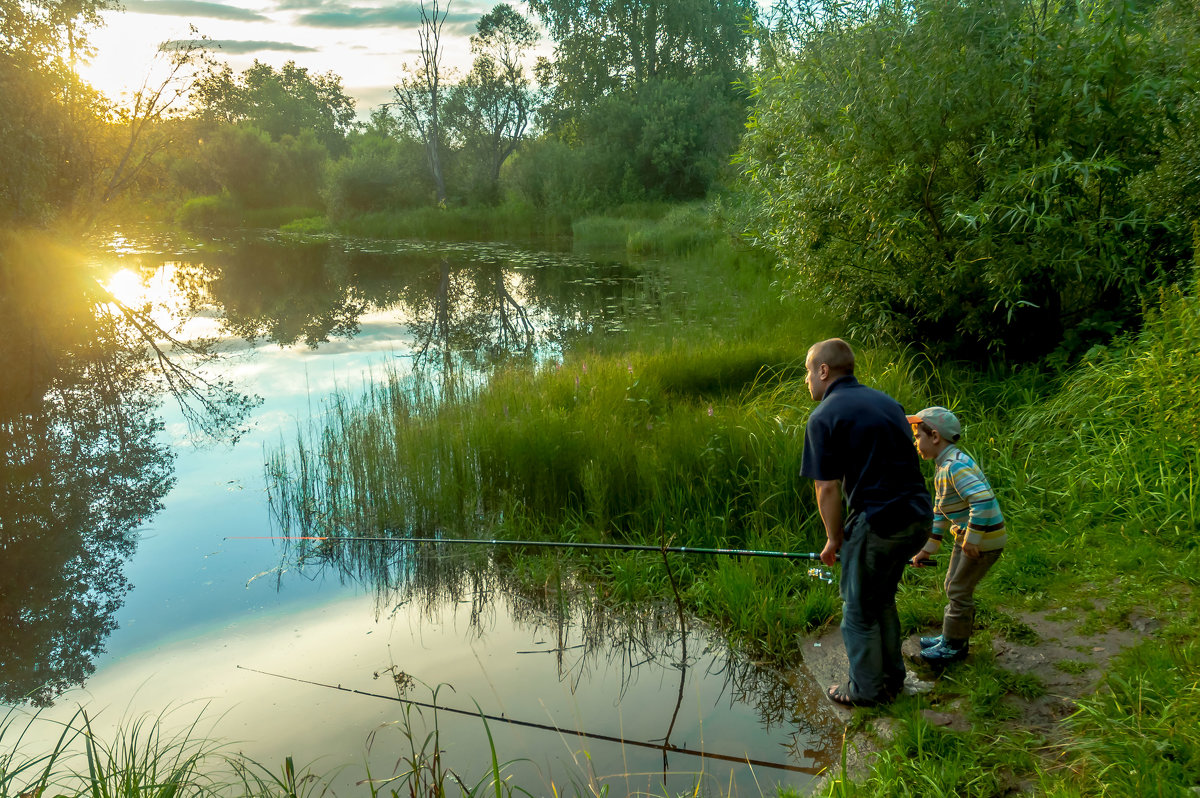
[(965, 505)]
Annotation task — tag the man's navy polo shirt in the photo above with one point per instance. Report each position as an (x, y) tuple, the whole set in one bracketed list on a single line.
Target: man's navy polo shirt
[(862, 437)]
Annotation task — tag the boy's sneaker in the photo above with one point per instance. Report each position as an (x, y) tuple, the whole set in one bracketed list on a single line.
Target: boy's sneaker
[(930, 642), (943, 654)]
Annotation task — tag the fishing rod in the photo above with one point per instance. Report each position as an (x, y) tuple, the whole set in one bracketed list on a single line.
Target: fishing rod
[(555, 544), (822, 574), (664, 747)]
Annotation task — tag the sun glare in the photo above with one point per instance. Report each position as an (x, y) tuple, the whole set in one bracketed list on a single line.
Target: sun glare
[(127, 288)]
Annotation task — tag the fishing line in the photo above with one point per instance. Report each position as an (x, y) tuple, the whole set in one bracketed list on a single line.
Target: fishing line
[(666, 748)]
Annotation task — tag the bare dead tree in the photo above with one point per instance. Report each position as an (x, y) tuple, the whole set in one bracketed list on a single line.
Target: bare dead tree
[(419, 94)]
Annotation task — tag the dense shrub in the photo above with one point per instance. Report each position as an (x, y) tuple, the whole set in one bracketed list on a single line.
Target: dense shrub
[(960, 173)]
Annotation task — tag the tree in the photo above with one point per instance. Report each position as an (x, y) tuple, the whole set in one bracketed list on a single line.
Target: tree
[(66, 150), (283, 103), (420, 95), (960, 172), (490, 109), (47, 109), (603, 47), (134, 137)]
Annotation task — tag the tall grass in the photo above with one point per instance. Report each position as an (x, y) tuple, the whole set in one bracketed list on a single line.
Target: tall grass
[(140, 758), (687, 427), (1140, 733), (22, 773), (143, 761), (1125, 427), (626, 449)]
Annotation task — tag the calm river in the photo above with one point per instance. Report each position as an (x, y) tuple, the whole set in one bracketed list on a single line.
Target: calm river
[(147, 585)]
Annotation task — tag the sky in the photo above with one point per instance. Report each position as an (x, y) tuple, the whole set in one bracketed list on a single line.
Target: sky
[(366, 42)]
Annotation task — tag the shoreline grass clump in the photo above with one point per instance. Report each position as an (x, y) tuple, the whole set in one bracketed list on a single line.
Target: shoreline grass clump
[(689, 446), (513, 220)]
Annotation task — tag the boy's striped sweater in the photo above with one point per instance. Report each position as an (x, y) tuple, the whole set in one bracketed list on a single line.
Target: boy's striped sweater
[(964, 503)]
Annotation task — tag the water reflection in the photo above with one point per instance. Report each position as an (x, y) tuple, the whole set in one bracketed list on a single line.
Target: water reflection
[(461, 304), (586, 639), (81, 466), (91, 346)]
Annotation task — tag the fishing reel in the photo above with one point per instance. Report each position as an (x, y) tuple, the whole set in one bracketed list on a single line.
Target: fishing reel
[(823, 574)]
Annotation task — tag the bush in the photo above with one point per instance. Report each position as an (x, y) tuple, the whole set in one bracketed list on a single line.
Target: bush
[(217, 210), (960, 173)]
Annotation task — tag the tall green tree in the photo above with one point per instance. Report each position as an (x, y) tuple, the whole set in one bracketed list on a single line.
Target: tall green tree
[(47, 109), (602, 47), (960, 172), (490, 110)]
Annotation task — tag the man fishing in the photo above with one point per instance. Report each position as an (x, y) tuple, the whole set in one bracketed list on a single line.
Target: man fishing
[(858, 451)]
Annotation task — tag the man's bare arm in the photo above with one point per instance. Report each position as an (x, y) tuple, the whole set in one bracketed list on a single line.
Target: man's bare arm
[(829, 505)]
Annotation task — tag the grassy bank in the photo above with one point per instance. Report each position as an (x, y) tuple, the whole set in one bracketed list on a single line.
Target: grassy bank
[(509, 221)]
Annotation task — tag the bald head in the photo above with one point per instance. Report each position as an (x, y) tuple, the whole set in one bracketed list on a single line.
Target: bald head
[(834, 353), (827, 361)]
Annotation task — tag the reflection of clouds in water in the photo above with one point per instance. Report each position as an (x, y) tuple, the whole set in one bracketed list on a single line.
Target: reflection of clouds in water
[(344, 643)]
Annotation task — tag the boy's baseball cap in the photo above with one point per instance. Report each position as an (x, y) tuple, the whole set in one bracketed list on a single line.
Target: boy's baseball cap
[(940, 419)]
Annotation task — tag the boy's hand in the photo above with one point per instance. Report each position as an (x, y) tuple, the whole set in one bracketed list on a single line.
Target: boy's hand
[(920, 560), (971, 550)]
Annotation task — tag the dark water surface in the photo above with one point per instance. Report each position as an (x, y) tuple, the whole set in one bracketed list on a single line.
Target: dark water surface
[(134, 581)]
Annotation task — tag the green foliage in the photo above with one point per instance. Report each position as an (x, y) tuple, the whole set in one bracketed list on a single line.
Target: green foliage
[(489, 111), (289, 102), (452, 224), (384, 171), (253, 171), (306, 225), (960, 173), (641, 101), (684, 230), (37, 139), (602, 49), (1120, 438), (664, 139), (211, 211)]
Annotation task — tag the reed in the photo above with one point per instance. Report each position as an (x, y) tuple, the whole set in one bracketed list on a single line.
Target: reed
[(22, 773), (142, 760)]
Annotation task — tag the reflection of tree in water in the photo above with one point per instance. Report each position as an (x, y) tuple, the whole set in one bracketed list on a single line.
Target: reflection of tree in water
[(473, 312), (464, 304), (81, 465), (281, 294), (590, 635)]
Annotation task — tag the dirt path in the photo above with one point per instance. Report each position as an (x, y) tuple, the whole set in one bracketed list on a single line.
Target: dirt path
[(1050, 659)]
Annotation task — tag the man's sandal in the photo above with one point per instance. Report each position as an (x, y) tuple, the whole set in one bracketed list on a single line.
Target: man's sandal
[(841, 696)]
